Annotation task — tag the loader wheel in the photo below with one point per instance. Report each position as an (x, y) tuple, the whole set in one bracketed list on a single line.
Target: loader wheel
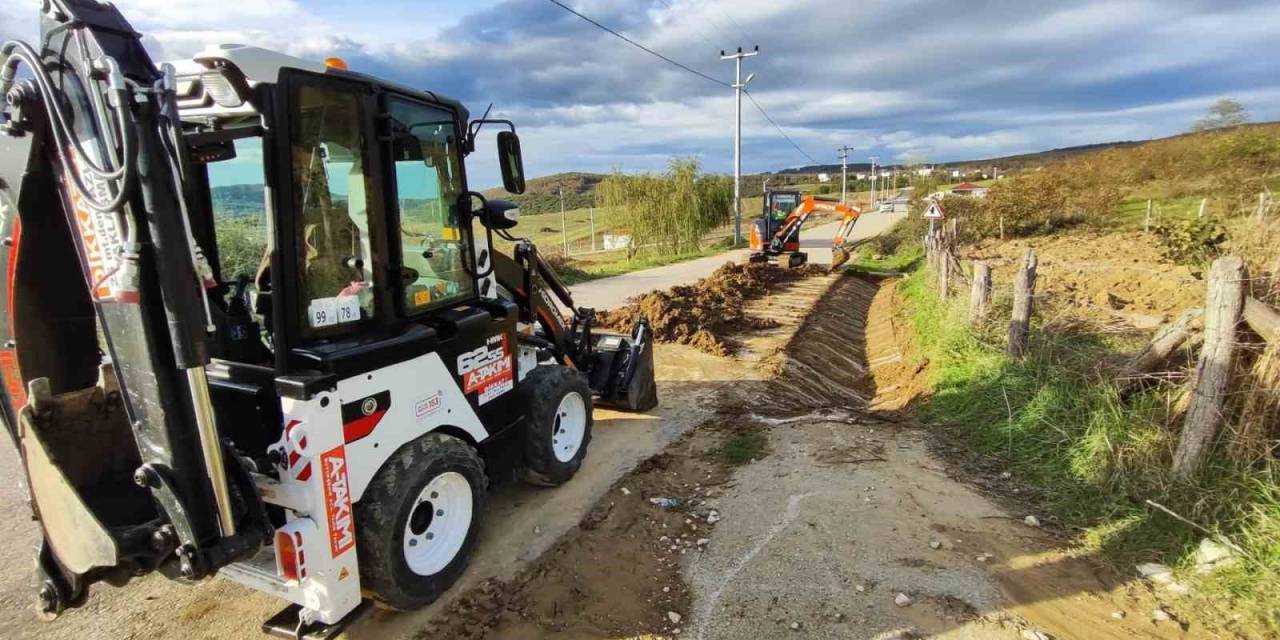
[(417, 522), (558, 401)]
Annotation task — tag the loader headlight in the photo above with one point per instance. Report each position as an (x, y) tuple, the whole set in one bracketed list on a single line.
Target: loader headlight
[(220, 88)]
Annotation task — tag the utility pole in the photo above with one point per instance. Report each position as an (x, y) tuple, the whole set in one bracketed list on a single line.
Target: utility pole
[(844, 173), (873, 179), (564, 225), (738, 85), (591, 212)]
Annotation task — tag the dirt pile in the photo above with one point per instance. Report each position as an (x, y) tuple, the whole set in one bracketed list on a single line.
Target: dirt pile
[(1100, 276), (618, 574), (703, 315)]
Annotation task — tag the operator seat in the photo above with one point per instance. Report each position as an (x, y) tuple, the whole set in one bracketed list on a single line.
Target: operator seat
[(333, 258)]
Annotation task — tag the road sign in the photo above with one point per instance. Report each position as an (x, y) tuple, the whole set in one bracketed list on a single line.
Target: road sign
[(934, 211)]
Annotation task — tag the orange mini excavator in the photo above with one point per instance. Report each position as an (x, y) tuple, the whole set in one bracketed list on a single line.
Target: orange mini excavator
[(783, 245)]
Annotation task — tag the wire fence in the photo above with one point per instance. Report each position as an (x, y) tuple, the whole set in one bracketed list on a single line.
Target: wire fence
[(1231, 367)]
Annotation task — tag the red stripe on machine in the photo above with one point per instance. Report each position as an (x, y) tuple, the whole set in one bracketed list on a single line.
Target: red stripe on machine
[(362, 426)]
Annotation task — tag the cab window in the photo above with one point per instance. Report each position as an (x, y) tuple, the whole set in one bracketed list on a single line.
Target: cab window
[(428, 179), (332, 197), (236, 194)]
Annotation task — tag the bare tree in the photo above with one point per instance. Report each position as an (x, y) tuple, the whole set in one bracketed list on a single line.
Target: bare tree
[(1222, 114)]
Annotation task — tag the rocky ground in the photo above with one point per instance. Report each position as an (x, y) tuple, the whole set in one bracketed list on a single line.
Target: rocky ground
[(848, 520)]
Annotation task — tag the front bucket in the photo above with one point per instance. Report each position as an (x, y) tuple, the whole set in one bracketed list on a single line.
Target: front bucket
[(622, 373)]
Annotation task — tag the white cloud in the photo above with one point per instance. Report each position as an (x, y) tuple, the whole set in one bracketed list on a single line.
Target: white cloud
[(893, 77)]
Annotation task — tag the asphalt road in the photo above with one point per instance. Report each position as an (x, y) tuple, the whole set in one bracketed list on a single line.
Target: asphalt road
[(816, 241)]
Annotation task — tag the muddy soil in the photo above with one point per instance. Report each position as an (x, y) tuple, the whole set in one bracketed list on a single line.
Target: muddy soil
[(1103, 277), (707, 313), (845, 524), (618, 573)]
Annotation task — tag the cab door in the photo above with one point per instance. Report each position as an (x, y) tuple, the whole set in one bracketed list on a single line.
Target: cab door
[(430, 247)]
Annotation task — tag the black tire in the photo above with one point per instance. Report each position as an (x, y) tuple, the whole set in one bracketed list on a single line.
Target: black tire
[(541, 395), (389, 503)]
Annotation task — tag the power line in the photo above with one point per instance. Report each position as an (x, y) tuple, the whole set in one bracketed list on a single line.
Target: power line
[(697, 31), (735, 22), (730, 18), (640, 46), (775, 126), (688, 69)]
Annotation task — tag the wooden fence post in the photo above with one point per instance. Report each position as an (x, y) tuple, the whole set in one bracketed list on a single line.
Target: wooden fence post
[(1222, 312), (980, 293), (1146, 224), (1168, 339), (1273, 283), (944, 275), (1024, 289), (1203, 203)]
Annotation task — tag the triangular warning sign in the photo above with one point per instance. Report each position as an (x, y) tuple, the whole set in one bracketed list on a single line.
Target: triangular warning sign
[(935, 210)]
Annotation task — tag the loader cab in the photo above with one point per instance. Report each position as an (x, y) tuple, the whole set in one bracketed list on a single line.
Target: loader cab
[(340, 231)]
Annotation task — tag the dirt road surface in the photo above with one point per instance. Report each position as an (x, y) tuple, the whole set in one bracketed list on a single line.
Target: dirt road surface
[(849, 522), (816, 241), (522, 522), (845, 507)]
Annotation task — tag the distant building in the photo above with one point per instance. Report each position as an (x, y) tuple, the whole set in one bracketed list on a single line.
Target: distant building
[(955, 174), (924, 172), (860, 176), (969, 189)]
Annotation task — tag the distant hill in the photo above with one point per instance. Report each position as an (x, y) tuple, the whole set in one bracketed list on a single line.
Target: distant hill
[(238, 199), (1014, 162), (542, 195)]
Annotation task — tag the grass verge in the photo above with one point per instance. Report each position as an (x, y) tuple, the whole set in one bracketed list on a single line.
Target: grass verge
[(576, 270), (1059, 422)]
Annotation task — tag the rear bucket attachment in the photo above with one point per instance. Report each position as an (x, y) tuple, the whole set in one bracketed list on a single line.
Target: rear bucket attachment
[(621, 370)]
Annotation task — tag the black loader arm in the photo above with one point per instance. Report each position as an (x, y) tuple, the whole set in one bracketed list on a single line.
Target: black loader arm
[(103, 318), (619, 368)]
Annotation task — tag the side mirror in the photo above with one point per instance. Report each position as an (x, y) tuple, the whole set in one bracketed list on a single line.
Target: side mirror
[(499, 214), (511, 161)]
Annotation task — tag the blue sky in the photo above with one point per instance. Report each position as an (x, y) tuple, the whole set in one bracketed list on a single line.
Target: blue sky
[(901, 79)]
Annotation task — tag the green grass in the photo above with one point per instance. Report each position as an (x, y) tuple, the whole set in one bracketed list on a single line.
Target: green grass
[(1056, 419), (907, 257), (616, 263), (1132, 212), (742, 445)]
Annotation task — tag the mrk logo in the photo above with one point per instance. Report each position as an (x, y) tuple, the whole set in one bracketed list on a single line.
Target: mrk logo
[(337, 500)]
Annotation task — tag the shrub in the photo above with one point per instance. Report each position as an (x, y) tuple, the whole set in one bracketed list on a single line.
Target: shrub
[(1191, 242)]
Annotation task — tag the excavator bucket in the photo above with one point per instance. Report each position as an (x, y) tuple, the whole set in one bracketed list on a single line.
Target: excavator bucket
[(839, 256)]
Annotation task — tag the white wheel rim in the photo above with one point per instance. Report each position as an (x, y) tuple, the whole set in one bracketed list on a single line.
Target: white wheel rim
[(569, 428), (438, 524)]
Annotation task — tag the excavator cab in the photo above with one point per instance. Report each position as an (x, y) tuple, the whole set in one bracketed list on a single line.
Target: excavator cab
[(782, 246), (254, 324), (776, 206)]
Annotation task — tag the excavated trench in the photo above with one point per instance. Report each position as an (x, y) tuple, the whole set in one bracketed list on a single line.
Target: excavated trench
[(824, 364)]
